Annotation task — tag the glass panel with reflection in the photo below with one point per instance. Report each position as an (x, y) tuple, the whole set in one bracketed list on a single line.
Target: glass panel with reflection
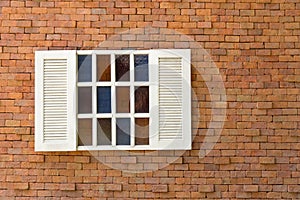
[(84, 132), (84, 68), (141, 96), (141, 68), (103, 67), (84, 100), (141, 131), (123, 99), (122, 67), (123, 131), (104, 99), (104, 131)]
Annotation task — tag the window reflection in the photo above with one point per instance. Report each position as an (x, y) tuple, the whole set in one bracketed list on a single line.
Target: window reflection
[(84, 68), (84, 100), (103, 99), (122, 67), (84, 132), (103, 67), (141, 131), (123, 99), (104, 131), (123, 131), (141, 68), (141, 95)]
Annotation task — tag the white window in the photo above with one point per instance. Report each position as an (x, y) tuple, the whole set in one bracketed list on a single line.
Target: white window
[(112, 100)]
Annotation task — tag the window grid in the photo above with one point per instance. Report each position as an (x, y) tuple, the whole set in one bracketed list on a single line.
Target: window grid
[(113, 84)]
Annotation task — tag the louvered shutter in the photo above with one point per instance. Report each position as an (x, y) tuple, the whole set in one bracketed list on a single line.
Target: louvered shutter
[(170, 99), (55, 95)]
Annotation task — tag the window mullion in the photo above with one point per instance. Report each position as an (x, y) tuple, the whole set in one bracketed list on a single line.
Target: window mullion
[(94, 101), (113, 100), (132, 101)]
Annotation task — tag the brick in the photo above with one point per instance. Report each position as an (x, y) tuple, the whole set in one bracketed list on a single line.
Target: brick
[(251, 188), (294, 188), (206, 188), (159, 188), (267, 160), (113, 187), (128, 160), (21, 186), (204, 24), (232, 38), (67, 187)]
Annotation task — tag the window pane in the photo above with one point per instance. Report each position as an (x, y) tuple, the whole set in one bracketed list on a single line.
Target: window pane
[(123, 131), (103, 100), (123, 99), (122, 68), (141, 68), (84, 100), (104, 132), (103, 67), (84, 68), (84, 132), (141, 95), (141, 131)]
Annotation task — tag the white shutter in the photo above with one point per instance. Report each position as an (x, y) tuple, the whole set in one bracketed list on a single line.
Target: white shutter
[(170, 99), (55, 95)]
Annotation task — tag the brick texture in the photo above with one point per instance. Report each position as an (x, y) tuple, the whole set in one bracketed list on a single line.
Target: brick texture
[(256, 48)]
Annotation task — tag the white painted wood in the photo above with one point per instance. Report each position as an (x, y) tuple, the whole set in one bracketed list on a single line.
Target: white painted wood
[(132, 101), (94, 99), (113, 101), (171, 100), (55, 95)]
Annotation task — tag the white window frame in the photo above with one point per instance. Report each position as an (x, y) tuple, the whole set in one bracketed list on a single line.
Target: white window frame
[(154, 142)]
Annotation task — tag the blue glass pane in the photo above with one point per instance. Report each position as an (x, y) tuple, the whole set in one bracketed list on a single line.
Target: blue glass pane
[(141, 68), (104, 100), (123, 131), (84, 68)]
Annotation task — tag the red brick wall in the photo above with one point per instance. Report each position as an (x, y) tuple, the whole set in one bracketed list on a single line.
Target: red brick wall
[(255, 45)]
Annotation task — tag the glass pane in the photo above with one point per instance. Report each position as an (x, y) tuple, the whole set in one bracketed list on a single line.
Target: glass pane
[(122, 68), (84, 132), (123, 131), (141, 131), (123, 99), (103, 99), (84, 100), (84, 68), (141, 95), (141, 68), (103, 67), (104, 132)]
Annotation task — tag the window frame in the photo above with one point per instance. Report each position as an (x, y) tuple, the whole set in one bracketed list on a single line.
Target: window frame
[(113, 83), (66, 139)]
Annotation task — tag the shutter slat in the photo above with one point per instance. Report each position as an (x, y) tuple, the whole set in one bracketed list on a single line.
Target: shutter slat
[(55, 99), (170, 98)]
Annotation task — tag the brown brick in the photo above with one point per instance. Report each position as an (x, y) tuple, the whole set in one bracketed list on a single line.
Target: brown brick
[(251, 188), (294, 188), (113, 187), (21, 186), (160, 188), (206, 188), (267, 160), (67, 187)]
